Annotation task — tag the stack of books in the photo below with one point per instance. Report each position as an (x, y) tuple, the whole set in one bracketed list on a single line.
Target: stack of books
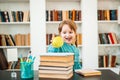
[(56, 65)]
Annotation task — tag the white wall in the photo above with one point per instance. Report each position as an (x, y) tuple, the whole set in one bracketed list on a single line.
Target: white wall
[(37, 29), (89, 31)]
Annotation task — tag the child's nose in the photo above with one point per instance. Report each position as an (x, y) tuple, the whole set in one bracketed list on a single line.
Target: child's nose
[(67, 35)]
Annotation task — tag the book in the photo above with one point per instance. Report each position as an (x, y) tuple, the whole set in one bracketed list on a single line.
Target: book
[(57, 57), (0, 40), (3, 60), (88, 72), (3, 40), (56, 65), (54, 68), (48, 71), (51, 63), (9, 40), (26, 16), (112, 60), (106, 60), (101, 60), (79, 39), (18, 39), (58, 76)]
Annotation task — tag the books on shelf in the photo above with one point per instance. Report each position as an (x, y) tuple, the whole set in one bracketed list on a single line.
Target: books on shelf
[(108, 38), (111, 14), (56, 65), (88, 72), (59, 15), (14, 16), (7, 40), (22, 39), (107, 60), (17, 40)]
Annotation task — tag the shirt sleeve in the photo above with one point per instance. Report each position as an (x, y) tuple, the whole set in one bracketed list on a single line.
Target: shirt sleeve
[(52, 49), (64, 48)]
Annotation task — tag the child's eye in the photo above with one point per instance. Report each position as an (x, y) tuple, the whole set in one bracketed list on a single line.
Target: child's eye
[(64, 32), (70, 32)]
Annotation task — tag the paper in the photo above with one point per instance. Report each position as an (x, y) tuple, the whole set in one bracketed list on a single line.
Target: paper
[(12, 55)]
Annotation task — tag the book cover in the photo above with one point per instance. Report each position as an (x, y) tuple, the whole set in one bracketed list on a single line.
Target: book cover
[(57, 57), (88, 72)]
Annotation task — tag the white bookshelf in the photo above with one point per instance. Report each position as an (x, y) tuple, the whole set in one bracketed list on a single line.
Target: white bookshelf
[(15, 27), (105, 26)]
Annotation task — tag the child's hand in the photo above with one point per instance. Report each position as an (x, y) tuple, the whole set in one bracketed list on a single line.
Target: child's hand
[(57, 42)]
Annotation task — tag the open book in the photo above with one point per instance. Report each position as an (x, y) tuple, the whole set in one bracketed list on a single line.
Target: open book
[(88, 72)]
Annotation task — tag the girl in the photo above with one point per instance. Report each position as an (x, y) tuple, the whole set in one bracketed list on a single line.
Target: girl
[(67, 30)]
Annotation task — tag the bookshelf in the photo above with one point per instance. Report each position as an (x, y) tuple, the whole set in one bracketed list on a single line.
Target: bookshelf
[(110, 25), (13, 27)]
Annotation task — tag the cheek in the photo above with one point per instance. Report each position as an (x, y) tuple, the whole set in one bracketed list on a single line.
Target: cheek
[(62, 35), (73, 35)]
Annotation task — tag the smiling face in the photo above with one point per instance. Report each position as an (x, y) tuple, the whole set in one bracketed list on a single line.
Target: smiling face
[(67, 34), (67, 30)]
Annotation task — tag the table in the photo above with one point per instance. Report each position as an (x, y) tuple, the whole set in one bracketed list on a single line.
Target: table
[(106, 75)]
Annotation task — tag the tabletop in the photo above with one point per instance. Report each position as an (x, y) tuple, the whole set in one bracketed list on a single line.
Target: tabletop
[(106, 75)]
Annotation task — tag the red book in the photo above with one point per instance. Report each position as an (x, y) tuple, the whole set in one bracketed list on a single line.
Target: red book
[(111, 38), (113, 60)]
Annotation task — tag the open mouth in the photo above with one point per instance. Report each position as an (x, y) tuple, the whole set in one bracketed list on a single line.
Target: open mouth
[(68, 39)]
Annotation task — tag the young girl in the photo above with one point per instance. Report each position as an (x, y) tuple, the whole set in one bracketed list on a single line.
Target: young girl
[(67, 30)]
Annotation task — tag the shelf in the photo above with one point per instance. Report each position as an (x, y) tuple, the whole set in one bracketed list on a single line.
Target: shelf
[(105, 21), (14, 46), (110, 45), (14, 1), (11, 23), (57, 22), (62, 0)]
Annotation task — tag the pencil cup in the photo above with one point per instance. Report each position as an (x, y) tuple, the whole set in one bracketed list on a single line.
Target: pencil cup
[(26, 70)]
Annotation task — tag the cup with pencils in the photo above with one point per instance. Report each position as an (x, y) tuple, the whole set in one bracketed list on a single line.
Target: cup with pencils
[(26, 67)]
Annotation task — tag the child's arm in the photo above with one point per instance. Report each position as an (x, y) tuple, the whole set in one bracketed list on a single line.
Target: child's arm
[(52, 49), (56, 45)]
